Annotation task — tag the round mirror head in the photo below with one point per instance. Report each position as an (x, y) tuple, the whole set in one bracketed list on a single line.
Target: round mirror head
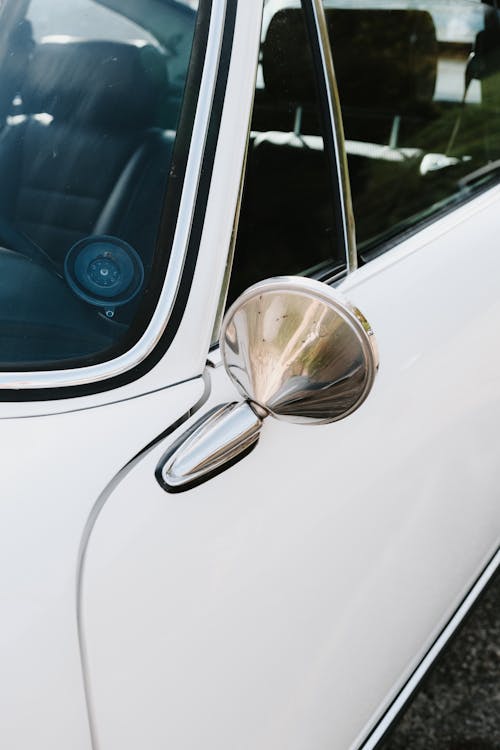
[(297, 350)]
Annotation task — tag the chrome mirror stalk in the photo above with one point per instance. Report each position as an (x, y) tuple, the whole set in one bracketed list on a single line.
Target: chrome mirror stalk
[(296, 350), (223, 436)]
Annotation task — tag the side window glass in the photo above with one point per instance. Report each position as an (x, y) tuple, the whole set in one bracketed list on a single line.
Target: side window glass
[(287, 219), (90, 100), (419, 91)]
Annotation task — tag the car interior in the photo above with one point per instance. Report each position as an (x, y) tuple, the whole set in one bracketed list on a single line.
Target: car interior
[(87, 130), (85, 154), (413, 133)]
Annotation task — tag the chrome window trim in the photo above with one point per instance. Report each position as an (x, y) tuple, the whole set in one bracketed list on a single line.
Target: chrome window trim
[(230, 258), (338, 135), (378, 732), (344, 184), (81, 376)]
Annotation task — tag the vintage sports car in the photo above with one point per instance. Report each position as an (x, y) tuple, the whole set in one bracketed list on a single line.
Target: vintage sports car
[(249, 364)]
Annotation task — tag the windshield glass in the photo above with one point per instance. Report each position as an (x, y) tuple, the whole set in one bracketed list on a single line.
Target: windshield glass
[(91, 95)]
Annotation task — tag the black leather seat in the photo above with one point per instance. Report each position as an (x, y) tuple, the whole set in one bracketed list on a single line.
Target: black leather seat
[(287, 217), (89, 156), (386, 65)]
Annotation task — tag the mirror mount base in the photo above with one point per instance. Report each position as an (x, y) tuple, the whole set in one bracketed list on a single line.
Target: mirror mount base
[(215, 442)]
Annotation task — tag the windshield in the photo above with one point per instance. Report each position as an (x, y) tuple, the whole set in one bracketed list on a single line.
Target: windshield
[(91, 95)]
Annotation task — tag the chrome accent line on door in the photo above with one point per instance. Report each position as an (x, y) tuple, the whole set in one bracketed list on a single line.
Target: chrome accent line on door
[(141, 350), (229, 265), (399, 703), (338, 135), (87, 533)]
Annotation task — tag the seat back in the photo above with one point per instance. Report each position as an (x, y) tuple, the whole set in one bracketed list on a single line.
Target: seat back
[(88, 146), (386, 67)]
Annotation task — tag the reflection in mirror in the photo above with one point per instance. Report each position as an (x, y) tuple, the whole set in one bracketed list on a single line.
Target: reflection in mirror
[(298, 351)]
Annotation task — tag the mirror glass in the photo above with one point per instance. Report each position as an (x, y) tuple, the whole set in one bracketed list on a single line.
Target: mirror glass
[(298, 351)]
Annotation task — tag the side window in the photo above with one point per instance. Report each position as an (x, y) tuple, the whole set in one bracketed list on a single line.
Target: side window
[(90, 101), (287, 221), (419, 86)]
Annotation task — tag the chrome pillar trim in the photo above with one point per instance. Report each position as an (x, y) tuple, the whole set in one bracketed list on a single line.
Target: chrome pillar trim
[(338, 135), (134, 356), (219, 439), (234, 236)]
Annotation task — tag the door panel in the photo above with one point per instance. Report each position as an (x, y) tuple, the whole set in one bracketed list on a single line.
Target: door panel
[(54, 469), (283, 603), (57, 468)]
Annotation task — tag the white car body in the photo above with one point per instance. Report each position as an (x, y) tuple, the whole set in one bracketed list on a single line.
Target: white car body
[(286, 602)]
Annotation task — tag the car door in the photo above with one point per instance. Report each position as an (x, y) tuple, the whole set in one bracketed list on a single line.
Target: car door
[(287, 601), (108, 119)]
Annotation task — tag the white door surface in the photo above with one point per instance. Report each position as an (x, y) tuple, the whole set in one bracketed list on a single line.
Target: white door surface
[(63, 451), (284, 602), (55, 468)]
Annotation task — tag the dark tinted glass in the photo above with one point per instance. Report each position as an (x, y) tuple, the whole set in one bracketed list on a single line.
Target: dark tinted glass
[(419, 89), (90, 97), (287, 222)]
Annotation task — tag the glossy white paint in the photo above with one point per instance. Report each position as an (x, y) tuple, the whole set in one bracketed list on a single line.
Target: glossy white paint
[(269, 608), (433, 653), (275, 608), (61, 456), (223, 198), (54, 469)]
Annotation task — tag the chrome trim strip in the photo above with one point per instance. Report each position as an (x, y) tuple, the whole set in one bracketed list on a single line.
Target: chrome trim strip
[(134, 356), (229, 263), (381, 728), (338, 135), (87, 533), (219, 439), (230, 258)]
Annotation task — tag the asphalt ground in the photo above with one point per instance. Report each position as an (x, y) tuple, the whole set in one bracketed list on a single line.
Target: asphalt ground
[(458, 705)]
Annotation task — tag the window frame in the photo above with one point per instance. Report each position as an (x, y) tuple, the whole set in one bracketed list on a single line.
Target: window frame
[(334, 129), (202, 108), (335, 150)]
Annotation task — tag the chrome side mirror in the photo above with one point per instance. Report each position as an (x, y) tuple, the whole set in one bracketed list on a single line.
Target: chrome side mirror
[(296, 350)]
